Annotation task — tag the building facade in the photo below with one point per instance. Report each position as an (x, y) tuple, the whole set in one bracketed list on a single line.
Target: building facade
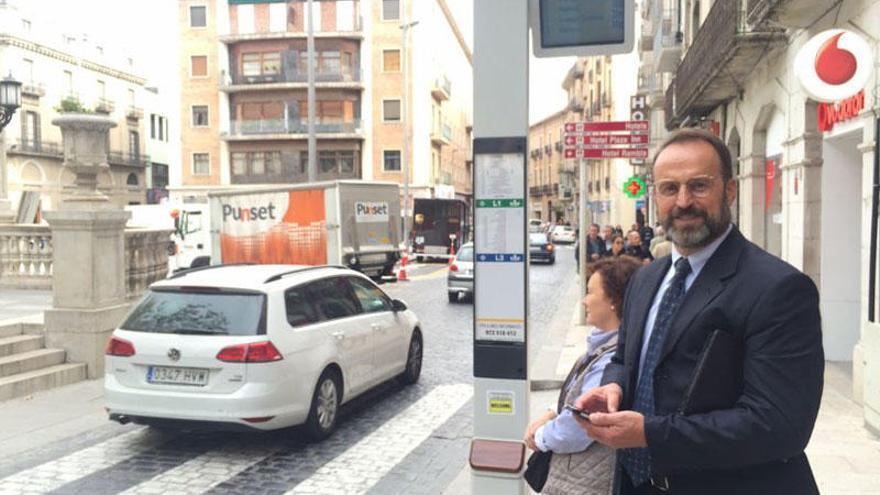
[(805, 191), (54, 67), (547, 200), (244, 105)]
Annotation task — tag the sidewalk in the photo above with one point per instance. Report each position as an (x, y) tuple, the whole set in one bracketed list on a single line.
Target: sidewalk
[(844, 455)]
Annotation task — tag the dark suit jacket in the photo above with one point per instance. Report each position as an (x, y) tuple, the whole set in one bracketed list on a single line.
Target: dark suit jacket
[(756, 444)]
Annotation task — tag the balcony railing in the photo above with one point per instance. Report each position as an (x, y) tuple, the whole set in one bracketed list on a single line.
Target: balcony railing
[(669, 107), (134, 112), (544, 190), (146, 256), (667, 42), (723, 53), (786, 12), (33, 89), (575, 105), (355, 29), (105, 106), (442, 88), (37, 147), (129, 159), (343, 75), (292, 126)]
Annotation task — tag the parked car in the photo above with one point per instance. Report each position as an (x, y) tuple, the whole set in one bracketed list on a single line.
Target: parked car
[(460, 280), (535, 225), (563, 233), (257, 346), (541, 249)]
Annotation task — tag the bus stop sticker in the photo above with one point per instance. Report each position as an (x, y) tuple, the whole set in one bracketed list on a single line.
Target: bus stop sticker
[(500, 402)]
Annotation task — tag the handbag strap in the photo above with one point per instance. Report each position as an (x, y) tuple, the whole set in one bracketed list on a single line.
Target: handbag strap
[(576, 376)]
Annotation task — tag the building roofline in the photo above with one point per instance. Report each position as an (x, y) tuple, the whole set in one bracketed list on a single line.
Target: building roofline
[(555, 115), (458, 36)]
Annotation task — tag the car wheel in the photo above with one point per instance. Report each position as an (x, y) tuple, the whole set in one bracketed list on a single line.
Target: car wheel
[(453, 297), (324, 412), (413, 368)]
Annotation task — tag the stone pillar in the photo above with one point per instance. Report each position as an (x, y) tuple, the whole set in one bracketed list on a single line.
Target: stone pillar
[(88, 236)]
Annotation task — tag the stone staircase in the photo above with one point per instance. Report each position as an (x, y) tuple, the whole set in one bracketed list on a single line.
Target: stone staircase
[(26, 366)]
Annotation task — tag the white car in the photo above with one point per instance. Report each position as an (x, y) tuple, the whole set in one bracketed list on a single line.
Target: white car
[(257, 346), (563, 233)]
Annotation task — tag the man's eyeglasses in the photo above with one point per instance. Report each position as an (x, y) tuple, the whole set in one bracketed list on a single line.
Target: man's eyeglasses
[(698, 187)]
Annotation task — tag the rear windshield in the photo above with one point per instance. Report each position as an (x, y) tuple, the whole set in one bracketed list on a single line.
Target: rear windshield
[(537, 239), (199, 313), (465, 254)]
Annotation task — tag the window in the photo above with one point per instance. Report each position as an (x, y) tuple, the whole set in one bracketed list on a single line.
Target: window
[(277, 17), (255, 64), (160, 175), (245, 19), (134, 143), (172, 311), (300, 310), (391, 110), (132, 179), (250, 64), (198, 66), (256, 163), (333, 298), (271, 63), (198, 16), (200, 115), (68, 82), (391, 60), (28, 70), (32, 129), (329, 62), (131, 100), (239, 163), (273, 162), (392, 160), (102, 89), (152, 126), (26, 25), (371, 298), (201, 164), (390, 10)]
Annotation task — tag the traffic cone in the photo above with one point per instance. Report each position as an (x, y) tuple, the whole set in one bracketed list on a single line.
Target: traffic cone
[(451, 253), (401, 275)]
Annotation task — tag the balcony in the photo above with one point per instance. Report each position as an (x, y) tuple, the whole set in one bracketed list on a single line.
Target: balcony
[(37, 148), (32, 89), (134, 113), (669, 107), (724, 52), (293, 79), (545, 190), (441, 135), (355, 31), (294, 128), (441, 89), (789, 13), (595, 108), (105, 106), (128, 159), (575, 105), (667, 42)]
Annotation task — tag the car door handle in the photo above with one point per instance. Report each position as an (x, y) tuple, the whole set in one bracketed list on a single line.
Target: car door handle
[(339, 335)]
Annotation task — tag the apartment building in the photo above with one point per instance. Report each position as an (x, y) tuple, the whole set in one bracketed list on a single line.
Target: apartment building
[(160, 148), (55, 66), (593, 98), (805, 187), (244, 103), (547, 200)]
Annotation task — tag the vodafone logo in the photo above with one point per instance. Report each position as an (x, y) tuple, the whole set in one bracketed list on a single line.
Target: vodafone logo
[(834, 65)]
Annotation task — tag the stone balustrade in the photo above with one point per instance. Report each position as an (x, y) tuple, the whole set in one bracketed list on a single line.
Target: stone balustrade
[(146, 259), (26, 258)]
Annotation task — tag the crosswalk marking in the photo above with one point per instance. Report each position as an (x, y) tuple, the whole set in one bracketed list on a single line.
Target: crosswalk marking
[(362, 465), (51, 475), (204, 472)]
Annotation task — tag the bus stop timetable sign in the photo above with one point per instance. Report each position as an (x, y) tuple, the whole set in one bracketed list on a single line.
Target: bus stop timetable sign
[(499, 243)]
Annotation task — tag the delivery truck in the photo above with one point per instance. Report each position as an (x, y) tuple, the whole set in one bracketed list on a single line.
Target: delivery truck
[(350, 223), (189, 240)]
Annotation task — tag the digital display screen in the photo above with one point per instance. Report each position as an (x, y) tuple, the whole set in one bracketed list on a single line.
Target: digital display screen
[(567, 23)]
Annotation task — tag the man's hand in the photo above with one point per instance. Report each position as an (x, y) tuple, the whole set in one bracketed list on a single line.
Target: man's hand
[(600, 399), (529, 438), (620, 430)]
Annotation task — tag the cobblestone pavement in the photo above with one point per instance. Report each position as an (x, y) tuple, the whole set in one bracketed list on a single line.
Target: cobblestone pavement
[(394, 439)]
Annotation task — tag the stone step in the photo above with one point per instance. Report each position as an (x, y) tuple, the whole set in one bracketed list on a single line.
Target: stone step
[(20, 343), (32, 328), (30, 361), (10, 330), (34, 381)]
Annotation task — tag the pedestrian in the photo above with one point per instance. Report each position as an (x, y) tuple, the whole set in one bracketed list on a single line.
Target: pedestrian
[(617, 247), (661, 246), (608, 236), (659, 235), (737, 423), (635, 248), (595, 244), (578, 465)]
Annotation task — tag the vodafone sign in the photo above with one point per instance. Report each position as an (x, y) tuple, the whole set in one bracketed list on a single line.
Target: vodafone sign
[(834, 65)]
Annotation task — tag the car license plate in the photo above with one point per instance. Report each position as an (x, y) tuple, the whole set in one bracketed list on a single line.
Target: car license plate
[(177, 376)]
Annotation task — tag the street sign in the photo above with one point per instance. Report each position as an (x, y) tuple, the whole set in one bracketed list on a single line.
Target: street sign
[(638, 110), (615, 153), (634, 187), (616, 139), (600, 140)]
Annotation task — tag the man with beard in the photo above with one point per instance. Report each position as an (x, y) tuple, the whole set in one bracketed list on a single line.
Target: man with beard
[(716, 381)]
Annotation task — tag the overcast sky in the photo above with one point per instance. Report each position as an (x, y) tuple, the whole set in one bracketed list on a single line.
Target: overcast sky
[(147, 29)]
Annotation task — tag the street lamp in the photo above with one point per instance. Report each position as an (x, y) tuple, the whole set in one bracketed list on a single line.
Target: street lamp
[(10, 99), (405, 27)]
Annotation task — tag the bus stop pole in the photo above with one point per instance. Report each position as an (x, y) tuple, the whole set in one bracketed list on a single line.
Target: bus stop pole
[(501, 405)]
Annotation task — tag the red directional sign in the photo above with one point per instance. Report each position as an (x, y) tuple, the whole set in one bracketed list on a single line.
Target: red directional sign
[(615, 139), (615, 153), (617, 126)]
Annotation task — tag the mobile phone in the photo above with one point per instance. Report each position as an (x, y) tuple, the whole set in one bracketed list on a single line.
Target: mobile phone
[(580, 412)]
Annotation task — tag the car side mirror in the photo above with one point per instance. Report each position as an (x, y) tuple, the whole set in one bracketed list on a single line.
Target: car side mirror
[(397, 305)]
